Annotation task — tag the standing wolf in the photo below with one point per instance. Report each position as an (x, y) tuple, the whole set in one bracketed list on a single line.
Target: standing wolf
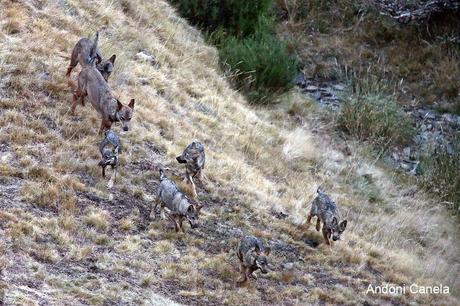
[(326, 211), (87, 53), (110, 147), (178, 205), (194, 159), (253, 256)]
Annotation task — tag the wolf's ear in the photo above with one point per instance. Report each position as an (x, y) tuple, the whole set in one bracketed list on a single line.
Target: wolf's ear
[(267, 251), (343, 225), (199, 207), (98, 58), (190, 209), (334, 222), (113, 58), (119, 105), (131, 103)]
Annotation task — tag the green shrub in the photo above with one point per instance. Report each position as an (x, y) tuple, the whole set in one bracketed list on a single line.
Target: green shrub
[(375, 118), (236, 17), (440, 172), (261, 65)]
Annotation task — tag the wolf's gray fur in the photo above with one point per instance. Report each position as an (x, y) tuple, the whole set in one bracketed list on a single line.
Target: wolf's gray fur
[(87, 53), (194, 159), (252, 254), (91, 84), (110, 148), (180, 207), (327, 211)]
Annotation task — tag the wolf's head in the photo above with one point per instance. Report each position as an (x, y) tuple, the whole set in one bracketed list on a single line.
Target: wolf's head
[(105, 67), (192, 214), (337, 228), (124, 114), (260, 259)]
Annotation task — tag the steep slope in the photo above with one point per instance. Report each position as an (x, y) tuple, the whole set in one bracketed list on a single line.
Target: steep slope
[(67, 239)]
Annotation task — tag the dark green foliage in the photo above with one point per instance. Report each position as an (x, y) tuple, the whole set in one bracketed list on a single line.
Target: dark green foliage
[(243, 31), (262, 66), (236, 17)]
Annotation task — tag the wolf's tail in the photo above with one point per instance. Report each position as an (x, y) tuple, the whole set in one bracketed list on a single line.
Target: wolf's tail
[(93, 53)]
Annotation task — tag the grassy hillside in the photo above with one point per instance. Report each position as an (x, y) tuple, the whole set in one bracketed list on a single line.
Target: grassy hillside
[(66, 238)]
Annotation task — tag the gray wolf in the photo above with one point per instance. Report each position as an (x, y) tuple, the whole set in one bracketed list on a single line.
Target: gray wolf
[(178, 205), (194, 159), (91, 84), (252, 254), (86, 53), (110, 148), (327, 212)]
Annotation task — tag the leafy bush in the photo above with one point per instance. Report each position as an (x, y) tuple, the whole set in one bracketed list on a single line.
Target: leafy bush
[(236, 17), (261, 64), (439, 172), (248, 47), (375, 118)]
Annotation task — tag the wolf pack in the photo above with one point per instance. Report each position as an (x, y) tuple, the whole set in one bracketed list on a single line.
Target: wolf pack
[(173, 203)]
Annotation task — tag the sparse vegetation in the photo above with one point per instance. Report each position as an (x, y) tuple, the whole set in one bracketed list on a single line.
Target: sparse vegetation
[(439, 172), (353, 36), (377, 119)]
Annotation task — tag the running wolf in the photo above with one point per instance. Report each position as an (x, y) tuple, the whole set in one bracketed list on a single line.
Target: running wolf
[(194, 159), (253, 256), (110, 148), (178, 205), (327, 211), (91, 84)]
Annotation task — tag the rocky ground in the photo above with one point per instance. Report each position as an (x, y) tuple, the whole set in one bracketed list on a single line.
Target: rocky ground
[(433, 129)]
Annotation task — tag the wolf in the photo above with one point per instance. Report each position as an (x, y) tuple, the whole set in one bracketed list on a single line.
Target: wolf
[(87, 53), (91, 84), (194, 159), (252, 254), (179, 206), (110, 148), (327, 211)]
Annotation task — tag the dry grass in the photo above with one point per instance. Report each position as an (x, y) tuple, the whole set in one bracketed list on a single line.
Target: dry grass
[(67, 237)]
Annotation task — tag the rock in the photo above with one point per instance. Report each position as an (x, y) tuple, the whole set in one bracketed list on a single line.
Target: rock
[(406, 152), (338, 87), (144, 81), (287, 266), (311, 88), (280, 245), (405, 166), (426, 115), (44, 76), (143, 56), (300, 80), (413, 172)]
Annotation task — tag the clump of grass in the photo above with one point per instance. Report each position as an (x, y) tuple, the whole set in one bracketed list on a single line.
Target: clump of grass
[(439, 172), (98, 218), (375, 118), (261, 65)]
